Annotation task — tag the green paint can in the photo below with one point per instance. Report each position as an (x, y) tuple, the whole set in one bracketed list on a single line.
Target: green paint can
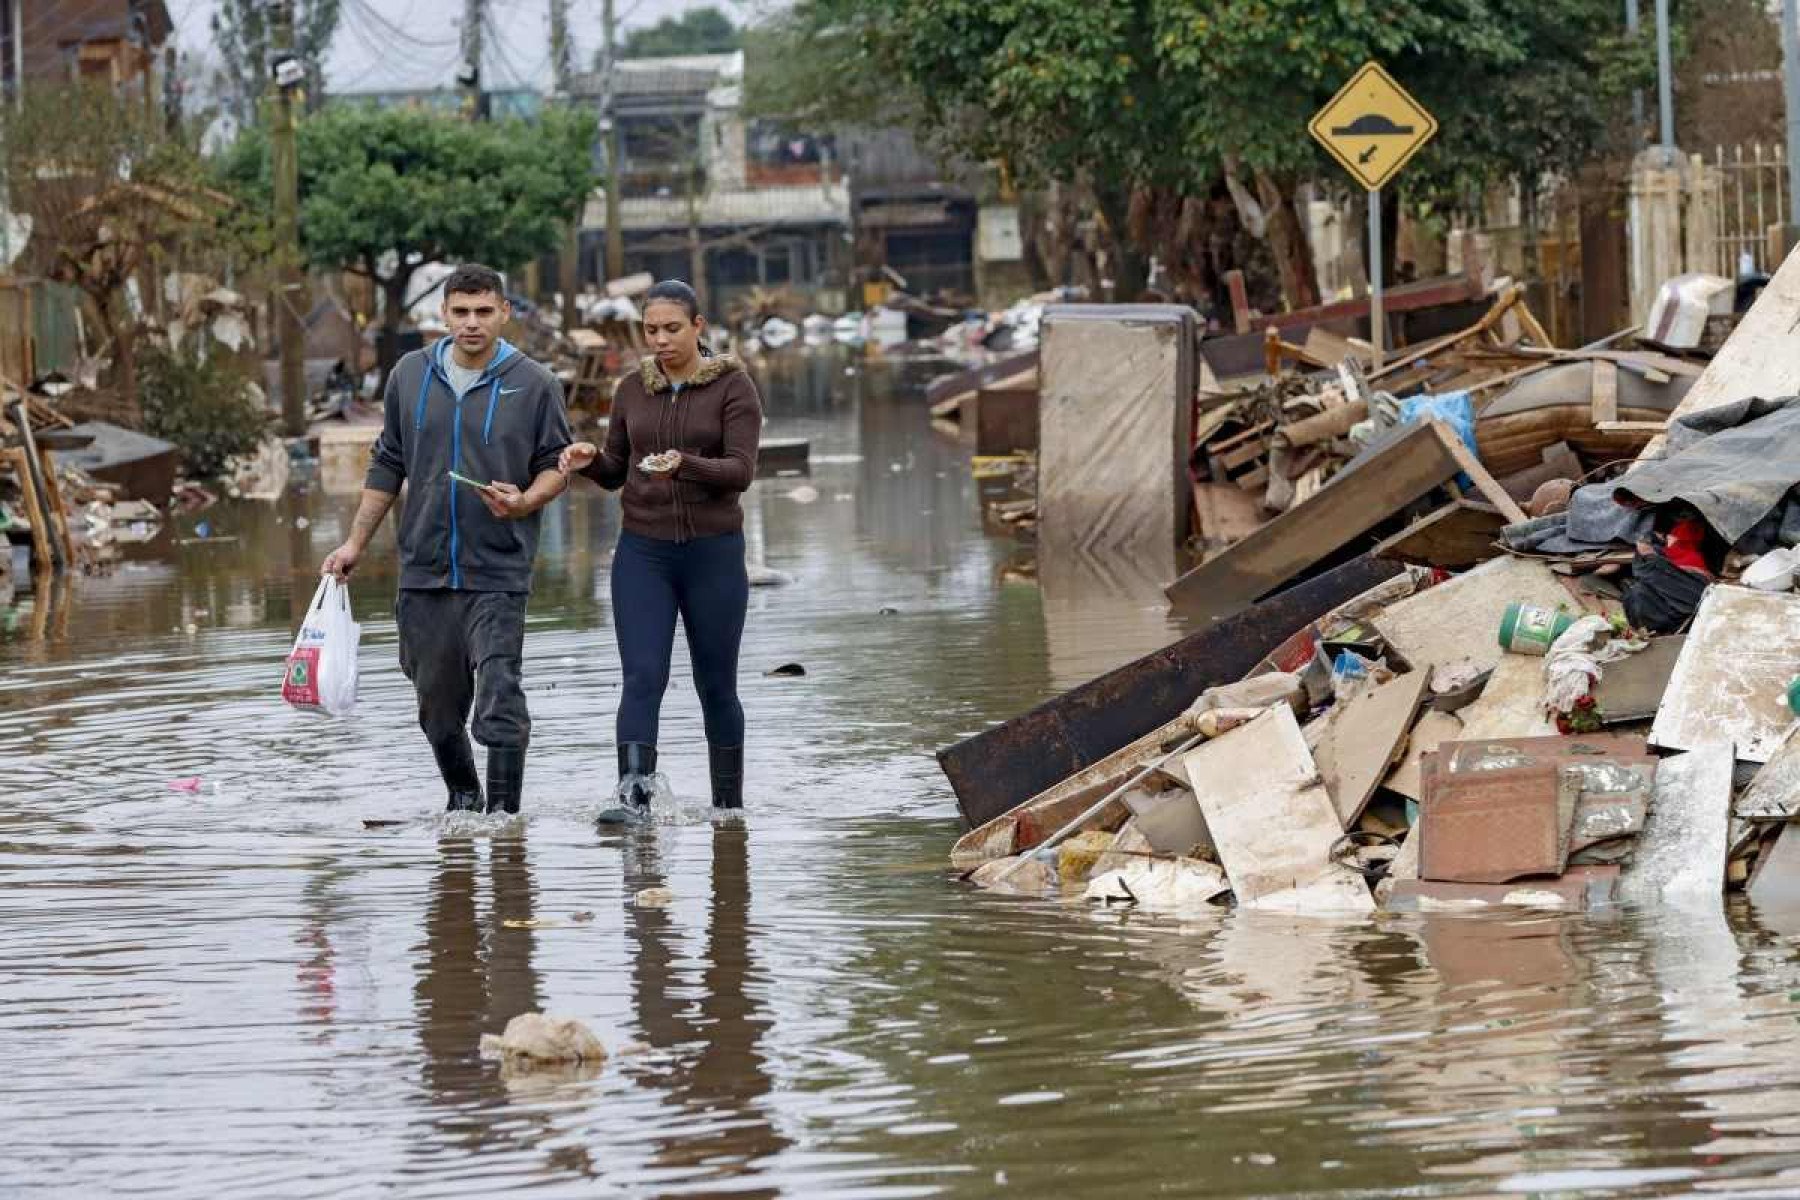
[(1793, 696), (1532, 628)]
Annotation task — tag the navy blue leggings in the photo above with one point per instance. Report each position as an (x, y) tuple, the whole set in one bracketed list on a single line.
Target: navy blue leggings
[(705, 582)]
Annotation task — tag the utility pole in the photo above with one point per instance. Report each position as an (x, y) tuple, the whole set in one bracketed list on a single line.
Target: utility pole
[(1637, 94), (562, 63), (1665, 87), (469, 75), (1790, 86), (290, 285), (609, 129)]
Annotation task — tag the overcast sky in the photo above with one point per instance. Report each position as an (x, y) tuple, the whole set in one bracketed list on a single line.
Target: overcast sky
[(384, 45)]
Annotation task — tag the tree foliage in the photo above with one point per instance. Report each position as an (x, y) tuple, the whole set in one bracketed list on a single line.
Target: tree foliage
[(243, 31), (697, 31), (383, 191), (1162, 95), (112, 194)]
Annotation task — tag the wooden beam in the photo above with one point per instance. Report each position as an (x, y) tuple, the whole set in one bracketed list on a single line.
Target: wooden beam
[(59, 516), (1484, 483), (1603, 391), (1354, 502), (41, 561)]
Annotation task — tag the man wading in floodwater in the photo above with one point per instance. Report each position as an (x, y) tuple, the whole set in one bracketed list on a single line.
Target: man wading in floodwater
[(474, 406)]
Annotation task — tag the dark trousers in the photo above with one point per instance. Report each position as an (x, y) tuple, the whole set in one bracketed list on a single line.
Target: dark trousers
[(703, 581), (462, 651)]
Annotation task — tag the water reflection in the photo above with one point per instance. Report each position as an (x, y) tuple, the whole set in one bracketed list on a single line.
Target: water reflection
[(697, 1007)]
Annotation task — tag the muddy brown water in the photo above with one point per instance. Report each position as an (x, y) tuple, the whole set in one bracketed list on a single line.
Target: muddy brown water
[(245, 992)]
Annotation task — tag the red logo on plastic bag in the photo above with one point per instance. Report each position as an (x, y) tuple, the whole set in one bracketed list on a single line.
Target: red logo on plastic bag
[(301, 687)]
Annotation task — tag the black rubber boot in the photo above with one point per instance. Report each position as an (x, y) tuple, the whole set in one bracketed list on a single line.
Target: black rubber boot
[(505, 778), (456, 763), (637, 762), (727, 767)]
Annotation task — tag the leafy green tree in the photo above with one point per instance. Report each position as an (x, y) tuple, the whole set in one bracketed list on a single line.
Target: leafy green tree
[(697, 31), (243, 30), (384, 191), (1163, 97)]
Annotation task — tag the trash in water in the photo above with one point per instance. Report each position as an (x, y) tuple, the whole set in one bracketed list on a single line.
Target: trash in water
[(787, 670), (806, 493), (656, 897), (766, 576), (534, 1038), (190, 783)]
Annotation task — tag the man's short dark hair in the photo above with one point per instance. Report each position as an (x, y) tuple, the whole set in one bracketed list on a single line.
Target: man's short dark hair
[(472, 278)]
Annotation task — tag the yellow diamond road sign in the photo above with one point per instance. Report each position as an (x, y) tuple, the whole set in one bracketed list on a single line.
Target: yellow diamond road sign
[(1372, 126)]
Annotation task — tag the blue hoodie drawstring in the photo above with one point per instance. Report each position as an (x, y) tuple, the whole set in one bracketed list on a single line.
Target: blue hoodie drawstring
[(424, 392), (487, 423)]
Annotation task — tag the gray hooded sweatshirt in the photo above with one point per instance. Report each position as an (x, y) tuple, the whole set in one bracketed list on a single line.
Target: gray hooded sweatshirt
[(510, 426)]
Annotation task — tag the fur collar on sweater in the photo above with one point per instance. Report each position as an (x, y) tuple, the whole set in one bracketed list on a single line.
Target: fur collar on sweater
[(716, 367)]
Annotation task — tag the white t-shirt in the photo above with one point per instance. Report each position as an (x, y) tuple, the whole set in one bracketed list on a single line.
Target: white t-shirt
[(461, 378)]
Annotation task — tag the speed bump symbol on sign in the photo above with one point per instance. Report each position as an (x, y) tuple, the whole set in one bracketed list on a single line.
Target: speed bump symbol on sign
[(1372, 126)]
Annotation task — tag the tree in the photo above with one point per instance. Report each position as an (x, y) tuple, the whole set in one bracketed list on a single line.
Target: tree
[(111, 194), (384, 191), (697, 31), (1170, 97), (242, 30)]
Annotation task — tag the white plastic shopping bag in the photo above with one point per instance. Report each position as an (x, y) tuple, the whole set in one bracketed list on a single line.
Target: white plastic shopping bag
[(321, 669)]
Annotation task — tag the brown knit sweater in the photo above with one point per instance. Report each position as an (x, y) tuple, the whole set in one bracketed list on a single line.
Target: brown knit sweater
[(714, 420)]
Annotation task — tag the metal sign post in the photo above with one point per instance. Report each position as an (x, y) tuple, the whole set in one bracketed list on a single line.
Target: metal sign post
[(1372, 127), (1377, 318)]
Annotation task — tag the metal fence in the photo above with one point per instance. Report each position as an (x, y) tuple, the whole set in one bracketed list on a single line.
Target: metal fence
[(1752, 196)]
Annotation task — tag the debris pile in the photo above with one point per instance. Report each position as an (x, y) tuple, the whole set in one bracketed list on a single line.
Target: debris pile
[(1396, 751), (69, 519), (1585, 705), (1532, 415)]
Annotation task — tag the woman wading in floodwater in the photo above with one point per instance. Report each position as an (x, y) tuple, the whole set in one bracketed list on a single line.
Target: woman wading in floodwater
[(682, 443)]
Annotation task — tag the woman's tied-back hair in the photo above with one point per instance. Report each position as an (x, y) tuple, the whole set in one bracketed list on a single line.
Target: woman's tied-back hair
[(471, 279), (673, 291)]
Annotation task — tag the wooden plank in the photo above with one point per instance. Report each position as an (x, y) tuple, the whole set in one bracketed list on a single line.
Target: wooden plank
[(1240, 301), (1455, 537), (41, 561), (1272, 820), (53, 497), (1363, 738), (1680, 856), (1653, 427), (1490, 490), (1774, 793), (1433, 730), (1730, 680), (1603, 391), (1347, 507), (1458, 621)]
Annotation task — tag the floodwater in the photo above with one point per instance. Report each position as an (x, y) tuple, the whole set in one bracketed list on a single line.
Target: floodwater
[(244, 991)]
